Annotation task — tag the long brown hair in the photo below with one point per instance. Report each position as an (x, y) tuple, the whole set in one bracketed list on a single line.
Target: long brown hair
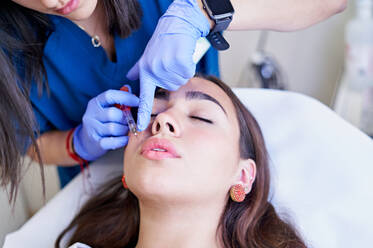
[(111, 218), (24, 33)]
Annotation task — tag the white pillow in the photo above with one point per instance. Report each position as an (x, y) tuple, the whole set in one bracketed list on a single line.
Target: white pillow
[(321, 165), (321, 168)]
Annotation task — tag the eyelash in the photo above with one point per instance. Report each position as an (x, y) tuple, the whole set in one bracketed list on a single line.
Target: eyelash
[(193, 117)]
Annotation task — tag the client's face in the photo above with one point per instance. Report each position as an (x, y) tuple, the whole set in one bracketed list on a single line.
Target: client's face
[(190, 150)]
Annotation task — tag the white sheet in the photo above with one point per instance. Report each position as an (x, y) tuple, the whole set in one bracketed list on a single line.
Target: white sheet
[(321, 167)]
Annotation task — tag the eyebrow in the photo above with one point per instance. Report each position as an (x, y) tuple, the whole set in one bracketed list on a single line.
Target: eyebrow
[(190, 95)]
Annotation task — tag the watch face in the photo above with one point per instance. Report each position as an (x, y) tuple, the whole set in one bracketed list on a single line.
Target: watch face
[(219, 7)]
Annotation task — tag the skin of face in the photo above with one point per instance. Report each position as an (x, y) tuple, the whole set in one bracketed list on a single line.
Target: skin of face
[(209, 162), (83, 11)]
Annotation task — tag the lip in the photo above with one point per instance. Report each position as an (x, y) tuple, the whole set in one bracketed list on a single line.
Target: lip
[(157, 143), (69, 7)]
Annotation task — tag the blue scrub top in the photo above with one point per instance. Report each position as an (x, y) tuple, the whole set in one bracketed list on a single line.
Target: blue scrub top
[(77, 71)]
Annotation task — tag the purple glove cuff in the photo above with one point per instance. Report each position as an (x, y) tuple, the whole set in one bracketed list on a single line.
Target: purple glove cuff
[(78, 147)]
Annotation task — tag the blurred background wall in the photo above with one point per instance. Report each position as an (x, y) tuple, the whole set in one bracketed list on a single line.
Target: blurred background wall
[(312, 61)]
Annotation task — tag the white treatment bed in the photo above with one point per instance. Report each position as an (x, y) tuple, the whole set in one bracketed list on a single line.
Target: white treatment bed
[(322, 170)]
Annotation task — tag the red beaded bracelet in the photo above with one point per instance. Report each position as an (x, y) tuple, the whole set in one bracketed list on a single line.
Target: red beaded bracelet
[(72, 153)]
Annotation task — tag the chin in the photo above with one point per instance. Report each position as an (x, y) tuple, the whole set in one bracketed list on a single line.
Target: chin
[(155, 185), (84, 11), (150, 189), (80, 15)]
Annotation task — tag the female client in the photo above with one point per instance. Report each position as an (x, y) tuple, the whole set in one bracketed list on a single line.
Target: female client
[(198, 176)]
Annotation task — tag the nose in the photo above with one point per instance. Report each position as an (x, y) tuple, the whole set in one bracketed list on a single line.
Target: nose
[(165, 124)]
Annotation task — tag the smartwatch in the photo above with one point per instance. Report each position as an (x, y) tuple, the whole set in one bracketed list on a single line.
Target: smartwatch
[(221, 12)]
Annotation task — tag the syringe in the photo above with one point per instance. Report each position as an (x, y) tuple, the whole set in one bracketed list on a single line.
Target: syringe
[(128, 115), (130, 121)]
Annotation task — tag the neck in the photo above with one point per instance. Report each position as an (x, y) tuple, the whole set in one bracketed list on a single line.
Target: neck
[(178, 226), (96, 25)]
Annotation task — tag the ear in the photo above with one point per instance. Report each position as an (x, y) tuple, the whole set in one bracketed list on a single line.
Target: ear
[(246, 173)]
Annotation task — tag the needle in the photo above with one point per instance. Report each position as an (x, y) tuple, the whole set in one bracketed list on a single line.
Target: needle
[(128, 115)]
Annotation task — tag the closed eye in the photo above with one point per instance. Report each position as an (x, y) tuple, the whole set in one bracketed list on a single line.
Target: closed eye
[(201, 119), (193, 117)]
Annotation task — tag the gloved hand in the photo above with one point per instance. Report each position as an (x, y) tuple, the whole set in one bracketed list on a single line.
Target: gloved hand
[(167, 61), (104, 126)]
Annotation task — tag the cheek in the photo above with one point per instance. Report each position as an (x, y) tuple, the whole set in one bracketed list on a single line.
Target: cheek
[(132, 147), (35, 5), (211, 153)]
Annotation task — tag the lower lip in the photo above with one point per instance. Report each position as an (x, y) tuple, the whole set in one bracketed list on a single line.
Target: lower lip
[(155, 155), (70, 7)]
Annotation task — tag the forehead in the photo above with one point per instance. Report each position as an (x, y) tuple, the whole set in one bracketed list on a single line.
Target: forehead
[(211, 89)]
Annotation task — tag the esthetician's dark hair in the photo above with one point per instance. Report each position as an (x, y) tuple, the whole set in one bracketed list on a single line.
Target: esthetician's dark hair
[(24, 33), (111, 218)]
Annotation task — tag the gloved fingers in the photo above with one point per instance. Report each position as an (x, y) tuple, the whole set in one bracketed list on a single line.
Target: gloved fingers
[(111, 97), (129, 88), (174, 66), (181, 62), (111, 129), (133, 73), (111, 114), (111, 143), (157, 71), (181, 71), (147, 90), (169, 80), (86, 143), (190, 12), (171, 86)]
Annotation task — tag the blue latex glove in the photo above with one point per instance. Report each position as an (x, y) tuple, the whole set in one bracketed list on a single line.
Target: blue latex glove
[(103, 127), (167, 61)]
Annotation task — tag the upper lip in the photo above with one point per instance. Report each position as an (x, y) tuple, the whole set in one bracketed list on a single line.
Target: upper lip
[(164, 144)]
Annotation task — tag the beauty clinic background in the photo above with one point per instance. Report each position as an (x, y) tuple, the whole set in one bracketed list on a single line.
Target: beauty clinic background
[(311, 59)]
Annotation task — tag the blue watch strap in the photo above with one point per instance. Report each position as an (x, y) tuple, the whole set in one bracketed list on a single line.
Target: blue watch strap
[(217, 41), (215, 36)]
